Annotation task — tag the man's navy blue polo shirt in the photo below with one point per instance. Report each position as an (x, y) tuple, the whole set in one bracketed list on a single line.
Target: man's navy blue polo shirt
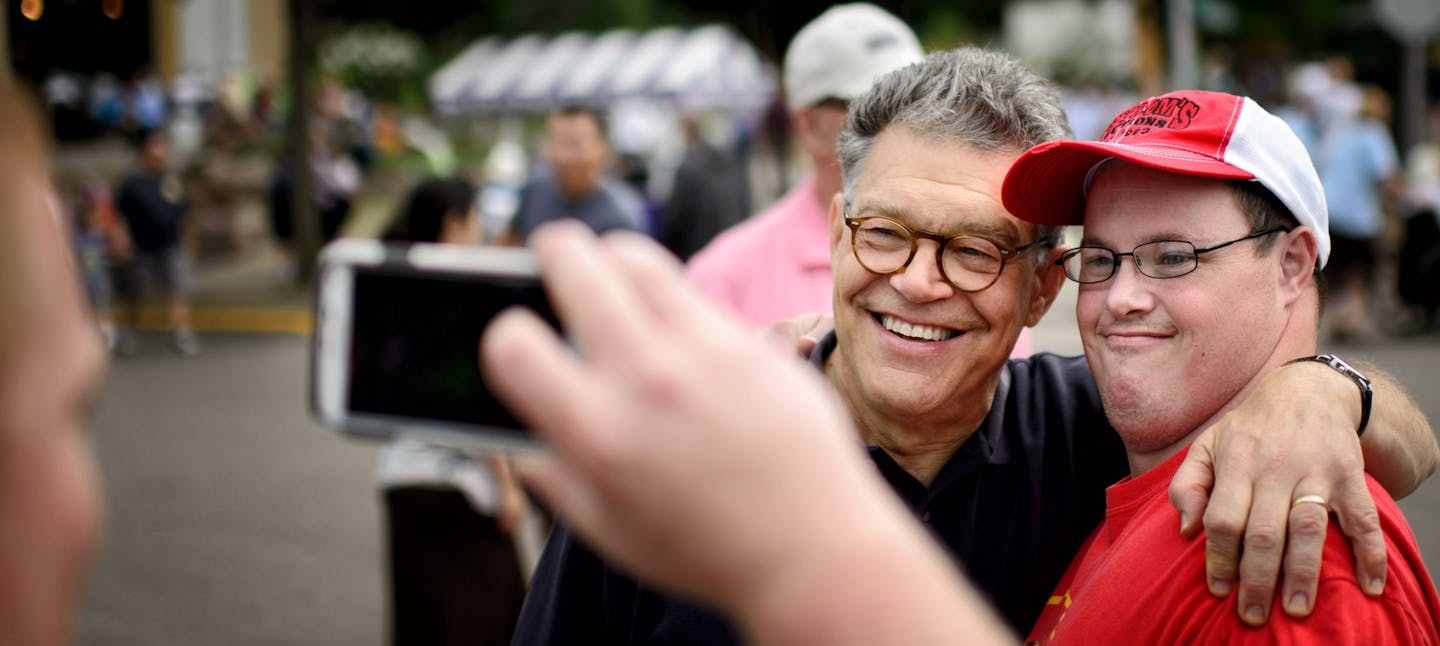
[(1013, 505)]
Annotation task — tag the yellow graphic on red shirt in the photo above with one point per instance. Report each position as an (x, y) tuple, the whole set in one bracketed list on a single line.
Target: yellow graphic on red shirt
[(1055, 600)]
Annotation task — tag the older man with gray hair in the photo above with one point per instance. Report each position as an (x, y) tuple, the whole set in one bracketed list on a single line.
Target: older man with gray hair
[(1006, 461)]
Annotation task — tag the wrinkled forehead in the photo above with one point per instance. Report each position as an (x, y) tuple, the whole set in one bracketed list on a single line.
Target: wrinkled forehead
[(938, 185)]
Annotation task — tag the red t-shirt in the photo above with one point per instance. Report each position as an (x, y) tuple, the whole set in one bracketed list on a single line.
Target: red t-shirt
[(1136, 581)]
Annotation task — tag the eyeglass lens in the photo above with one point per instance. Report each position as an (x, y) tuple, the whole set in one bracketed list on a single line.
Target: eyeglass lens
[(970, 263), (1160, 259)]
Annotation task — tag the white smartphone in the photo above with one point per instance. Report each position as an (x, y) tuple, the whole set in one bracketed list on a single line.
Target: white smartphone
[(397, 335)]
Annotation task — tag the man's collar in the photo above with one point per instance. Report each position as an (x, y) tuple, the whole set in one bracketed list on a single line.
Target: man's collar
[(988, 442)]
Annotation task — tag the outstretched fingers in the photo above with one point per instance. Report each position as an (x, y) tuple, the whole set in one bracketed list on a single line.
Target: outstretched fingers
[(543, 381), (1358, 518), (598, 305), (1304, 550)]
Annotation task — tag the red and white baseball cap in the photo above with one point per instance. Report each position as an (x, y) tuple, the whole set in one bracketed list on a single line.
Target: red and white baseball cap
[(1209, 134)]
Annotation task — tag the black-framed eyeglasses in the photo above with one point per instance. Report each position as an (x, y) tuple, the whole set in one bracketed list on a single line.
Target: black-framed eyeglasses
[(1158, 259), (969, 263)]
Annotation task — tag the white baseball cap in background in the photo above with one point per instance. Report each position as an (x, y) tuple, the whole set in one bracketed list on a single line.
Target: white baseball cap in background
[(842, 51)]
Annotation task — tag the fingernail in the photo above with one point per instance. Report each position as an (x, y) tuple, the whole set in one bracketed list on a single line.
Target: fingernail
[(1255, 615), (1299, 603), (1219, 587), (1184, 522), (1377, 586)]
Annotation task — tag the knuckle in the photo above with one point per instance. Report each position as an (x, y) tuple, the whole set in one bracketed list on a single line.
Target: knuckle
[(660, 382), (1303, 570), (1259, 571), (1256, 588), (1308, 523), (1277, 460), (1353, 465), (1263, 536), (1184, 493), (1374, 556), (1223, 527), (1365, 521)]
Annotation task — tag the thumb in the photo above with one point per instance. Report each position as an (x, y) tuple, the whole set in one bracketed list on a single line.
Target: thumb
[(1190, 488)]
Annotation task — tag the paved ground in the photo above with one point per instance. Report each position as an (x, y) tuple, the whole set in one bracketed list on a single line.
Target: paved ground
[(235, 520)]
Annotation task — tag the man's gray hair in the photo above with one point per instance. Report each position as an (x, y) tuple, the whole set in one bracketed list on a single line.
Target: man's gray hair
[(968, 95)]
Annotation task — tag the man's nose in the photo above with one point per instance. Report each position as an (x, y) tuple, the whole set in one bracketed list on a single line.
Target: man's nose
[(921, 281), (1128, 292)]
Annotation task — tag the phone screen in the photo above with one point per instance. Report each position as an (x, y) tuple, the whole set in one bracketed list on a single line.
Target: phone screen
[(415, 344)]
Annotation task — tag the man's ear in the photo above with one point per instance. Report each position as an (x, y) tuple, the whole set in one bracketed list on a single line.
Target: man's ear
[(800, 120), (1049, 279), (816, 143), (836, 220), (1299, 253)]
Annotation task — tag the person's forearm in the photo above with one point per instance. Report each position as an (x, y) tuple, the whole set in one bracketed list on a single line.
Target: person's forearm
[(889, 585), (1399, 445)]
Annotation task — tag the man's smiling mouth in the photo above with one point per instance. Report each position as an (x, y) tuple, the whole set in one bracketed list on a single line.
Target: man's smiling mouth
[(914, 330)]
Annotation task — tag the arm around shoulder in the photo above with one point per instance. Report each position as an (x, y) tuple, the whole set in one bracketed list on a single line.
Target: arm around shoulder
[(1399, 445)]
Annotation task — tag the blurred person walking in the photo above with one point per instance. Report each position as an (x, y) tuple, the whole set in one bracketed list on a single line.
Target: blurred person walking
[(151, 200), (453, 521), (338, 173), (1419, 271), (1358, 165), (777, 265), (101, 245), (577, 185), (706, 195)]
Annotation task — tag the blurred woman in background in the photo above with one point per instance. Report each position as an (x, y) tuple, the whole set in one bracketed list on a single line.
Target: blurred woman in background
[(455, 577)]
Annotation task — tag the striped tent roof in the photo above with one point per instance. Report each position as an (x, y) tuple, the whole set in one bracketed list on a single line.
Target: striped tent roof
[(702, 67)]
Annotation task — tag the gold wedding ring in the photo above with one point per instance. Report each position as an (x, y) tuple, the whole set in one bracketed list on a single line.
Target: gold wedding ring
[(1319, 500)]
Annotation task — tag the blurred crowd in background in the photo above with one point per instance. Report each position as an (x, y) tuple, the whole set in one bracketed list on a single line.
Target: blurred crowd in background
[(707, 169)]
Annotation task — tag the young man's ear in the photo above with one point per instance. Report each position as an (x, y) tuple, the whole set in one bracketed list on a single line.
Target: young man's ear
[(804, 122), (1300, 252), (1049, 278)]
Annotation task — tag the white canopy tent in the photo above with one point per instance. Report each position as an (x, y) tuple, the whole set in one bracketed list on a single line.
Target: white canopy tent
[(708, 67)]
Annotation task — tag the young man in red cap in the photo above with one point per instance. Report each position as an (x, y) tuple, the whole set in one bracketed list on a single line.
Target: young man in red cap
[(1205, 233)]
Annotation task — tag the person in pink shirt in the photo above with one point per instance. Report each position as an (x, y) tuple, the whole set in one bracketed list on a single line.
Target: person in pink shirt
[(776, 265), (773, 267)]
